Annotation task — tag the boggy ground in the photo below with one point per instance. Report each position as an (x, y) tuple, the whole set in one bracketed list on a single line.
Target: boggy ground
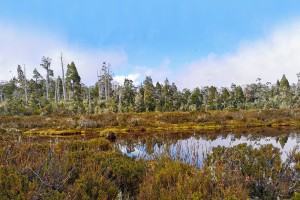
[(90, 168), (132, 123), (81, 164)]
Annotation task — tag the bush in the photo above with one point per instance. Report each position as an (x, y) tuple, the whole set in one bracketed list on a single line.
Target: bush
[(167, 179), (263, 172)]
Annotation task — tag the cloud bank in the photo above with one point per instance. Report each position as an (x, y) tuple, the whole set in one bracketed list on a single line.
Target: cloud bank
[(277, 53), (19, 46), (269, 58)]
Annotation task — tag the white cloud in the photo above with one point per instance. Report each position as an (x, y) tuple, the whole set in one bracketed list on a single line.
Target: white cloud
[(134, 77), (21, 46), (269, 58), (158, 73)]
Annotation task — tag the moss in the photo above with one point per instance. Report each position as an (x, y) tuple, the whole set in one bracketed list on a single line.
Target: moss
[(139, 123), (51, 132)]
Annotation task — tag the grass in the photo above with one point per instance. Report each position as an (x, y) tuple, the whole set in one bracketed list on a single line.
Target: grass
[(141, 123)]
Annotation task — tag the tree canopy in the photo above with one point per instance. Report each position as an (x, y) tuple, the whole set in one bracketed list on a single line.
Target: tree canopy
[(45, 94)]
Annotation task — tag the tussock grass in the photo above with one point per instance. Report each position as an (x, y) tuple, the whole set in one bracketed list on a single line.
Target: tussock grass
[(141, 123)]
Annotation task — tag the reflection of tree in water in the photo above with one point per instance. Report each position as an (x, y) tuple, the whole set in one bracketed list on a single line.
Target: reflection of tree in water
[(192, 146), (283, 140), (130, 146), (150, 143)]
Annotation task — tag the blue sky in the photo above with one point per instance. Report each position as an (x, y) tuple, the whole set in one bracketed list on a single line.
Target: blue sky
[(156, 37)]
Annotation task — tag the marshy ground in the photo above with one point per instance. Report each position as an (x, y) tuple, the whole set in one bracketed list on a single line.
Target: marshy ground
[(73, 157)]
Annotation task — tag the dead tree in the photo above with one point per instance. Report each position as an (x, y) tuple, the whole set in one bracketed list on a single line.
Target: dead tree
[(63, 77), (1, 92), (46, 63), (25, 86), (297, 92), (100, 85), (57, 90)]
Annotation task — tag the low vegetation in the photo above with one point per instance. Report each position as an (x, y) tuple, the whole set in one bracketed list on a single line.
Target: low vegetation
[(83, 167), (110, 124)]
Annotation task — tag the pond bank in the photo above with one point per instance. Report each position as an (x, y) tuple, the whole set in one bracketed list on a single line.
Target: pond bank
[(140, 123)]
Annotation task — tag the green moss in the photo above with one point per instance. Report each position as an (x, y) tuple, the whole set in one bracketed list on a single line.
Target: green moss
[(52, 132)]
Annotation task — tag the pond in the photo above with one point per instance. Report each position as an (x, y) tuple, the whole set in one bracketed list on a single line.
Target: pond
[(193, 147)]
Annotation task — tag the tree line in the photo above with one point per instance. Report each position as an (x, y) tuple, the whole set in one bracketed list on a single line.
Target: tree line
[(66, 94)]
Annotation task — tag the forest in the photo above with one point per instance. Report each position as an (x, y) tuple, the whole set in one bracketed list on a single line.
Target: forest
[(66, 94)]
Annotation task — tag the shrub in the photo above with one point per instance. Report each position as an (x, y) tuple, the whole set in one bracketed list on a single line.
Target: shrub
[(167, 179), (265, 175)]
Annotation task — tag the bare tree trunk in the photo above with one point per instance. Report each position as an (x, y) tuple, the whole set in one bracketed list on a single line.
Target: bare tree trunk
[(25, 87), (47, 85), (99, 86), (55, 91), (108, 81), (106, 85), (70, 95), (1, 94), (90, 102), (58, 91), (63, 77), (120, 100)]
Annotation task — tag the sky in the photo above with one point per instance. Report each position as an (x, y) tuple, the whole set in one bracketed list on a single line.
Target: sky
[(193, 43)]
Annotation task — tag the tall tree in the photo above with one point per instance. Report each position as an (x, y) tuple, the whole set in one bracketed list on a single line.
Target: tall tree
[(1, 92), (105, 82), (149, 94), (159, 97), (284, 84), (195, 98), (212, 98), (224, 97), (63, 77), (46, 63), (139, 99), (58, 87), (73, 81), (22, 81), (36, 75), (167, 95), (129, 92), (25, 86)]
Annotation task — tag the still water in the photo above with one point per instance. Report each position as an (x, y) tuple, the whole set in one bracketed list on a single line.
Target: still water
[(193, 147)]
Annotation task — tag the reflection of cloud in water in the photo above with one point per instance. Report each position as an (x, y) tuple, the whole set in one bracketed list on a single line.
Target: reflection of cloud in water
[(193, 149)]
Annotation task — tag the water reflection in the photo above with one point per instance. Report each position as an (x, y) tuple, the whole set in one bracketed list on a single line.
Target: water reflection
[(192, 148)]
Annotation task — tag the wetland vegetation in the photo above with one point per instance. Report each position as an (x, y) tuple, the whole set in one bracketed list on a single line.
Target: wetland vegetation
[(94, 156)]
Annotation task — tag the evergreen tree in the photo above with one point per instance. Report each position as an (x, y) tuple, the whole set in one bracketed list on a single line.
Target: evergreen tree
[(167, 95), (284, 84), (159, 97), (239, 97), (128, 94), (224, 97), (196, 98), (212, 98), (36, 75), (139, 100), (149, 94), (73, 82)]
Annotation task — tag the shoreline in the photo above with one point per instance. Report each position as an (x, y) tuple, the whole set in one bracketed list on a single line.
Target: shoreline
[(152, 122)]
